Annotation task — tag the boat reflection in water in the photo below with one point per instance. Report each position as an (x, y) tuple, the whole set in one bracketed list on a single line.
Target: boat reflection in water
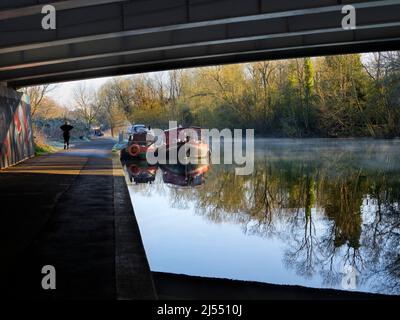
[(140, 171), (178, 175), (184, 175)]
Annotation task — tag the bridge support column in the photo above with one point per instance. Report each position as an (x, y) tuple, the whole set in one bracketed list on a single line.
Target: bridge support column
[(16, 135)]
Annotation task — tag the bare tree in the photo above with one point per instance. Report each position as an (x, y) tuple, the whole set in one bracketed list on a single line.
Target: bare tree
[(110, 108), (122, 90), (86, 104), (36, 95), (49, 109)]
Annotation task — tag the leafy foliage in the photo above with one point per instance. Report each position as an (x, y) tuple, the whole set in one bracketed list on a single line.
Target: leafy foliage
[(335, 96)]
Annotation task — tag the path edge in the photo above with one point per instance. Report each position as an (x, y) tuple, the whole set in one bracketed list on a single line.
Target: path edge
[(133, 278)]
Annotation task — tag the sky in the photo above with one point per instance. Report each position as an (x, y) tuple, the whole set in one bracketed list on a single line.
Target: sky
[(63, 92)]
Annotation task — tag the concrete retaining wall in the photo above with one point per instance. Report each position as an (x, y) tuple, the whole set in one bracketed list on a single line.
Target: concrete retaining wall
[(16, 136)]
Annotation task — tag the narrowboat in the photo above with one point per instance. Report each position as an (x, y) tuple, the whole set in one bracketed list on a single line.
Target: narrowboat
[(196, 149), (140, 142)]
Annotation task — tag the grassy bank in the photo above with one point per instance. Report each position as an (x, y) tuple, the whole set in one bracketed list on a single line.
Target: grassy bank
[(41, 149)]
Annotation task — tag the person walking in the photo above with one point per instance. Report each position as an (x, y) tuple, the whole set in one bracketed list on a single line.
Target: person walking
[(66, 128)]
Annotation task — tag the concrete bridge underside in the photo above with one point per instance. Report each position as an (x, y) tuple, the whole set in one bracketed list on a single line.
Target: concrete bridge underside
[(97, 38)]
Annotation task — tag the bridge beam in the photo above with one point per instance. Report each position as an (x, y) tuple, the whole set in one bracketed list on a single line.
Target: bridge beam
[(136, 35)]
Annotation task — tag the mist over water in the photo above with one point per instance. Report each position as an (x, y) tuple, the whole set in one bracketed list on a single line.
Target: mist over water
[(311, 209)]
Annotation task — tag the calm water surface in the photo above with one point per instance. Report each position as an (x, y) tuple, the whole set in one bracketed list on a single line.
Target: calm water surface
[(314, 213)]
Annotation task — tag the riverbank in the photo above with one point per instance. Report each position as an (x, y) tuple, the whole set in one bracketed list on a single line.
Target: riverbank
[(177, 287)]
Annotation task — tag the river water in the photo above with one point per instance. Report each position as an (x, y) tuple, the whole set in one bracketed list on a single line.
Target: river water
[(318, 213)]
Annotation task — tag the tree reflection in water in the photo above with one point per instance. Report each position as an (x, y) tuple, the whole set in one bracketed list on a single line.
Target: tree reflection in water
[(331, 206)]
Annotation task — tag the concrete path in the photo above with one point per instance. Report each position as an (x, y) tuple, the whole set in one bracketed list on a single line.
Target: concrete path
[(71, 210)]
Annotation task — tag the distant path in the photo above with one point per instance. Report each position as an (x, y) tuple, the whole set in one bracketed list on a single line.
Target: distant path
[(71, 209)]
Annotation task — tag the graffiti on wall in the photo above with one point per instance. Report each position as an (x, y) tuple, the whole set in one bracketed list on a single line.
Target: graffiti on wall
[(16, 136)]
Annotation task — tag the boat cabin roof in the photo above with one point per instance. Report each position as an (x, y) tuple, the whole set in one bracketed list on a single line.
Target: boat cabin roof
[(182, 128)]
